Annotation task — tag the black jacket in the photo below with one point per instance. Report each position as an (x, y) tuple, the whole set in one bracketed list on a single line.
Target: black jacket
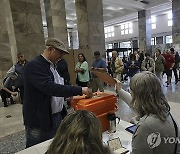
[(39, 86)]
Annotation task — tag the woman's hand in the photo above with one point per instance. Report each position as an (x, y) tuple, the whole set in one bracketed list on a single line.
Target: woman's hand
[(118, 85)]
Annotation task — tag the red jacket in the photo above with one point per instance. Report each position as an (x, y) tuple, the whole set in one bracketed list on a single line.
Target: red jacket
[(170, 60)]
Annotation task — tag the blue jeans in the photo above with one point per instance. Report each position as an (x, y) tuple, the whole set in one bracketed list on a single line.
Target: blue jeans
[(35, 135)]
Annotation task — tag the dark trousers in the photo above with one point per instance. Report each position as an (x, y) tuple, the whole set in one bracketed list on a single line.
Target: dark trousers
[(35, 135), (82, 84), (5, 95), (175, 74)]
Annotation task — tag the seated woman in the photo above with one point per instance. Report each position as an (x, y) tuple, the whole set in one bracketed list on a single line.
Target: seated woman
[(7, 91), (79, 133), (156, 123)]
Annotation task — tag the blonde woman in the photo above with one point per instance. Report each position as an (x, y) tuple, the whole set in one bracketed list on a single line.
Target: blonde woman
[(79, 133), (156, 123)]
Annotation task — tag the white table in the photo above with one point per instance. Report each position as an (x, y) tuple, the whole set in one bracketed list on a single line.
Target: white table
[(124, 136)]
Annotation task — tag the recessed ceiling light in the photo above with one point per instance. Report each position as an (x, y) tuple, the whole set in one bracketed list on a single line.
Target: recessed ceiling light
[(114, 8)]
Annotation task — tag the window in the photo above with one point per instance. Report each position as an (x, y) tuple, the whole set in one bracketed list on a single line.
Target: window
[(170, 21), (153, 41), (169, 39), (153, 22), (125, 44), (126, 28), (109, 32)]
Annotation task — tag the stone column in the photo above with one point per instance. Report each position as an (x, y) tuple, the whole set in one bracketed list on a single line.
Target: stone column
[(90, 24), (56, 19), (28, 29), (6, 59), (176, 21), (144, 21)]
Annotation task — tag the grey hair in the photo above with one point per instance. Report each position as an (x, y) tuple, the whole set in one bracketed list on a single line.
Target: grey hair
[(147, 95)]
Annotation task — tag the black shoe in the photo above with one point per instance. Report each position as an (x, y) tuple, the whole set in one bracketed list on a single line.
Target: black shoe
[(176, 82), (167, 85), (5, 105)]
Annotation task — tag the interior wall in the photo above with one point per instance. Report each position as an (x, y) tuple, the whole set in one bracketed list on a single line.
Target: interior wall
[(162, 29)]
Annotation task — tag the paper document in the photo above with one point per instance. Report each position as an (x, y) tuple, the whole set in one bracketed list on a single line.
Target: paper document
[(105, 77)]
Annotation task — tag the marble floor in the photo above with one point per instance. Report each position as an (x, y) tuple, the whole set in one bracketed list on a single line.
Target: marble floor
[(12, 137)]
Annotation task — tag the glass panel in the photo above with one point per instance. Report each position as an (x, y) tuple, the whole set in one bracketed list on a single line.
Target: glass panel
[(121, 54), (153, 26), (106, 36), (105, 30), (122, 32), (170, 15), (110, 46), (122, 26), (130, 25), (170, 23), (153, 19), (130, 31), (168, 39), (112, 34), (112, 29), (109, 34), (126, 25), (126, 31)]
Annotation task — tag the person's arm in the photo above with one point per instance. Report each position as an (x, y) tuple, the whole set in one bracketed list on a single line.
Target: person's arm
[(39, 77), (123, 95), (152, 67), (9, 91), (143, 68)]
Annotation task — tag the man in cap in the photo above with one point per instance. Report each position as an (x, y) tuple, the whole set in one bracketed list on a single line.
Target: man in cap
[(44, 93)]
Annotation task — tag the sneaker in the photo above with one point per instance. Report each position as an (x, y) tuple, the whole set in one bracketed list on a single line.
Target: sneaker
[(167, 85), (5, 105), (176, 82)]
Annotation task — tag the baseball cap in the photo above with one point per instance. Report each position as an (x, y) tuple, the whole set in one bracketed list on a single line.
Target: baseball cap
[(57, 44)]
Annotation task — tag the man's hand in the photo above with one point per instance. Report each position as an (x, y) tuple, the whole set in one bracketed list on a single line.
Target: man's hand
[(87, 91)]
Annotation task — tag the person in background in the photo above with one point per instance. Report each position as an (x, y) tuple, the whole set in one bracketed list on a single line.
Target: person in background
[(175, 65), (132, 66), (62, 68), (79, 133), (170, 61), (159, 64), (44, 93), (7, 90), (148, 63), (140, 60), (82, 71), (100, 65), (153, 108), (177, 60), (117, 65), (18, 69)]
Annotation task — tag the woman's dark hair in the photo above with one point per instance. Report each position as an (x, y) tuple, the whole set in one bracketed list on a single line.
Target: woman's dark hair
[(83, 56), (79, 133)]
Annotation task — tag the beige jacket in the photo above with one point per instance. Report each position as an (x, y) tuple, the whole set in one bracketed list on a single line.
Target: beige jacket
[(119, 66)]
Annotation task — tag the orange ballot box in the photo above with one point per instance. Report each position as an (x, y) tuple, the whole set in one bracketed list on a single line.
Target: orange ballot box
[(100, 104)]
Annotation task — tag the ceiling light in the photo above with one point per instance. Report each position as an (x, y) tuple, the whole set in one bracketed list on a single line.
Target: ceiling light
[(113, 8)]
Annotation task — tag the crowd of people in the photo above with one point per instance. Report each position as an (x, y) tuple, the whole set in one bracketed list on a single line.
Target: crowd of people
[(158, 63), (44, 84)]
